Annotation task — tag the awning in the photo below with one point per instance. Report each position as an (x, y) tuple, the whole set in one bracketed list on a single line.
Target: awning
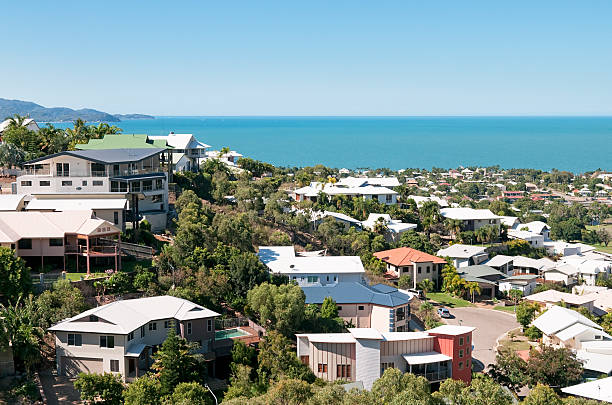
[(134, 351), (425, 358)]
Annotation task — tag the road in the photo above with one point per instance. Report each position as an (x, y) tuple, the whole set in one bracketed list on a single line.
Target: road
[(490, 325)]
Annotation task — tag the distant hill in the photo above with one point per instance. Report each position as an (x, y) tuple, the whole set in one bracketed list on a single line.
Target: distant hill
[(60, 114)]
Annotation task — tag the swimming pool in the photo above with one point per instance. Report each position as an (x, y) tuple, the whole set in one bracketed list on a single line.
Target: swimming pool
[(229, 333)]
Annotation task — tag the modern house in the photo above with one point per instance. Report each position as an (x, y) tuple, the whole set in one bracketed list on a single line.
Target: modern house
[(58, 237), (525, 283), (29, 123), (527, 265), (535, 240), (363, 354), (551, 298), (472, 219), (418, 265), (12, 202), (420, 200), (375, 188), (465, 255), (187, 152), (311, 268), (135, 174), (120, 337), (575, 268), (317, 217), (380, 306), (598, 390)]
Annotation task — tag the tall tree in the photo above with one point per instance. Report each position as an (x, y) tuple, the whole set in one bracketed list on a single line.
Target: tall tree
[(15, 279)]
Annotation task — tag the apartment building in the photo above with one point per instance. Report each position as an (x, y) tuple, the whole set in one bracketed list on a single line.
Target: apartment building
[(136, 174), (363, 354), (121, 337)]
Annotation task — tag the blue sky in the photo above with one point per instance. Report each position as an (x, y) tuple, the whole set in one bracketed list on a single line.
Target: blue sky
[(311, 58)]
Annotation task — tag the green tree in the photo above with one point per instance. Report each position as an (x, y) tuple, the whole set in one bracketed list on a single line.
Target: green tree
[(542, 395), (484, 391), (277, 359), (451, 392), (107, 387), (279, 307), (554, 367), (61, 302), (241, 383), (143, 390), (405, 281), (15, 281), (243, 354), (11, 155), (395, 387), (329, 309), (427, 286), (19, 327), (175, 362), (509, 370), (191, 393), (526, 312)]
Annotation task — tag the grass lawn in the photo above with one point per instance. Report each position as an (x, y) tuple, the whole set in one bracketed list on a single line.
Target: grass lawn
[(77, 276), (509, 308), (519, 342), (602, 248), (448, 300)]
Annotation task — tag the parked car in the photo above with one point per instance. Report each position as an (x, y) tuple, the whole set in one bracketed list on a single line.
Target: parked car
[(418, 293), (444, 312)]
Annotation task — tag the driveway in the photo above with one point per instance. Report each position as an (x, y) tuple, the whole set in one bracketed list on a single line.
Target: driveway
[(490, 325), (58, 389)]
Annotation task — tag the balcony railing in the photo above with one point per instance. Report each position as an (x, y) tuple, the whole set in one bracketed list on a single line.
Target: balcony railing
[(98, 173), (443, 374), (37, 172), (93, 250)]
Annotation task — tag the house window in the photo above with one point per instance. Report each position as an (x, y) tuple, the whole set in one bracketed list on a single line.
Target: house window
[(142, 331), (97, 183), (26, 183), (167, 324), (135, 186), (460, 341), (209, 325), (115, 217), (334, 278), (75, 339), (339, 308), (107, 341), (428, 269), (93, 318), (25, 244), (157, 198), (44, 183), (343, 371), (114, 366), (153, 326), (389, 198), (313, 279), (56, 242), (597, 337), (66, 183), (98, 170), (460, 365), (84, 183), (130, 336), (63, 169), (147, 185), (322, 368), (360, 307), (461, 353), (189, 328), (419, 270), (158, 184), (468, 338)]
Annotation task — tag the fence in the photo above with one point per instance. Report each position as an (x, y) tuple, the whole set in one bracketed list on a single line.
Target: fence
[(131, 249), (43, 281), (229, 323)]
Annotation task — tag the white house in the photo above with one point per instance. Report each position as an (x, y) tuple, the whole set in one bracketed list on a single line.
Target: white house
[(311, 268), (29, 123), (188, 152), (598, 390), (465, 255), (374, 188), (472, 219), (394, 227), (550, 298), (525, 283), (120, 337), (535, 240), (420, 200), (502, 263)]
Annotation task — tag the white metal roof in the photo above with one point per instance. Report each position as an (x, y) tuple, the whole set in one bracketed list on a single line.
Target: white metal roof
[(10, 202), (499, 260), (365, 333), (461, 251), (557, 318), (574, 330), (425, 358), (600, 390), (328, 337), (77, 204), (125, 316), (465, 213), (181, 141), (396, 336), (554, 296), (601, 363), (282, 259)]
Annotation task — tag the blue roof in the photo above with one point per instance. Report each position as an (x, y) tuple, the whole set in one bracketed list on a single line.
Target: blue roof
[(106, 155), (356, 293)]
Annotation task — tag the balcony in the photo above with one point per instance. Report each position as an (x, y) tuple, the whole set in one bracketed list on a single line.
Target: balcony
[(98, 173), (432, 376), (92, 251)]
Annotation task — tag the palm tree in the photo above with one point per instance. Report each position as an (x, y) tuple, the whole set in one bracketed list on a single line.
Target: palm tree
[(426, 285), (380, 226), (98, 132), (17, 120), (453, 226), (473, 287)]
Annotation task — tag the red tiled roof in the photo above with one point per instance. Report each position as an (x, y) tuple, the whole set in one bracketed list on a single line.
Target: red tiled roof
[(405, 256)]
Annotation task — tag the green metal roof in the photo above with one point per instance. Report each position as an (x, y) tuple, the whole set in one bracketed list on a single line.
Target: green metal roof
[(123, 141)]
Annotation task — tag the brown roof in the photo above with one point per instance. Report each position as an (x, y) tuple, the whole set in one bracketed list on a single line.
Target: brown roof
[(405, 256)]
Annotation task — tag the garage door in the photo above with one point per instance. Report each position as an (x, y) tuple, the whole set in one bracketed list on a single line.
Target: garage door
[(72, 366)]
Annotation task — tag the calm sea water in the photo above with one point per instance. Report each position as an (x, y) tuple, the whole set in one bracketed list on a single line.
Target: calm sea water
[(577, 144)]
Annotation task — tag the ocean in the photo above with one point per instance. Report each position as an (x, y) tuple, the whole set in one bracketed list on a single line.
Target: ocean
[(577, 144)]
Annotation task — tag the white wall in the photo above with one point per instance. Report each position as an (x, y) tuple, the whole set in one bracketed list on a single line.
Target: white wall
[(367, 361), (380, 317)]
